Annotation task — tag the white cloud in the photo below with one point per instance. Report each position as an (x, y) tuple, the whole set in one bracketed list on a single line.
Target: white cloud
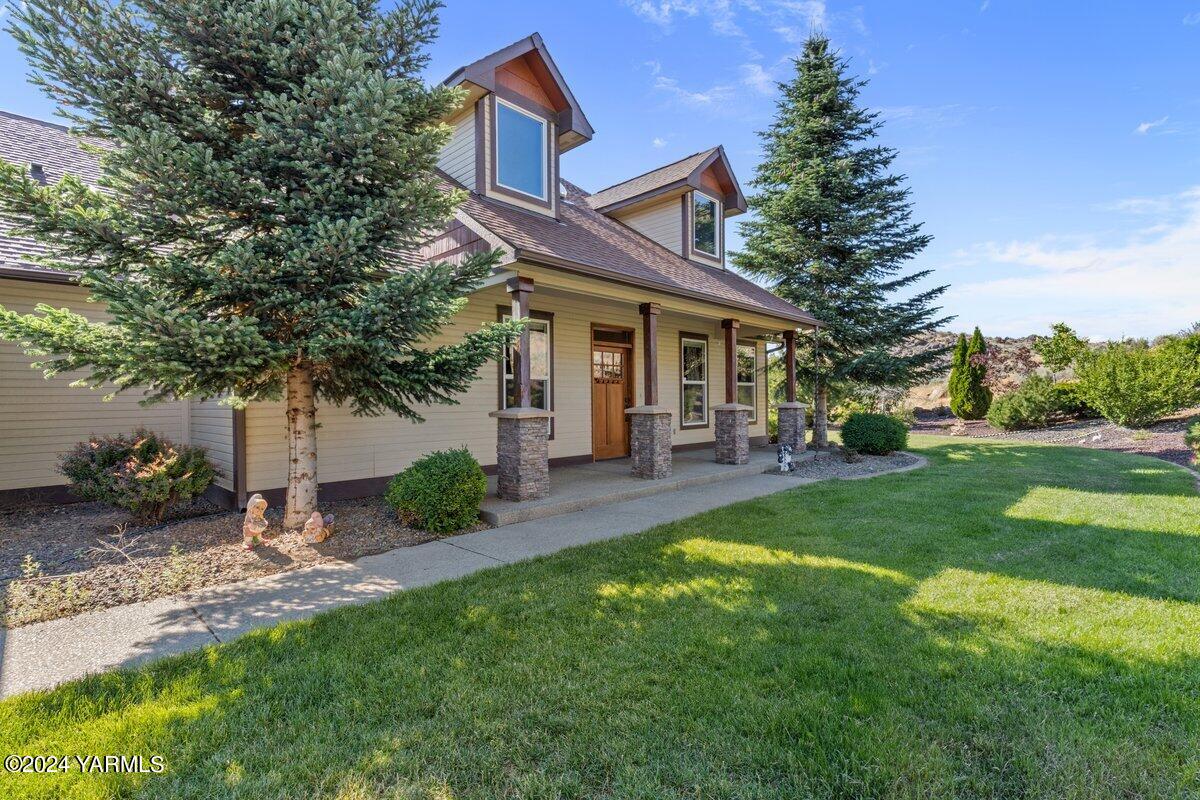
[(792, 19), (984, 6), (758, 79), (1146, 127), (1192, 19), (662, 13), (658, 142), (1145, 282), (707, 98)]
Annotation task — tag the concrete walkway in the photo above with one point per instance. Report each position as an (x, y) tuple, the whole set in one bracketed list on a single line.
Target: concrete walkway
[(44, 654)]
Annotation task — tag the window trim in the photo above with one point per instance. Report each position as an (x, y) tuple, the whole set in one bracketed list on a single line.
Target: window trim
[(718, 233), (503, 188), (739, 384), (702, 338), (541, 316)]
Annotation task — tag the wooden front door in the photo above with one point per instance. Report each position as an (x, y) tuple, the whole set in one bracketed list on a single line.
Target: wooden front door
[(611, 395)]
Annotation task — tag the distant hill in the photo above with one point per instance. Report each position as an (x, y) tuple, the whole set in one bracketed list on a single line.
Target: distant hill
[(1015, 357)]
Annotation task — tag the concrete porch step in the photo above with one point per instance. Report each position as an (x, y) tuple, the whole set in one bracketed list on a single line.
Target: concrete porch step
[(602, 483)]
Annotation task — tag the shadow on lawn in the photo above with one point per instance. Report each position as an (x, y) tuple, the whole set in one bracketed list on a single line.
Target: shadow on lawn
[(910, 635)]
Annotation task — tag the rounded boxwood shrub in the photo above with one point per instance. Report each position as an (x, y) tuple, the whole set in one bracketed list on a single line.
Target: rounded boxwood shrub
[(141, 472), (440, 492), (877, 434)]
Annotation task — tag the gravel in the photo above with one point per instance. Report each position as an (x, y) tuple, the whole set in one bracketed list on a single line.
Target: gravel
[(56, 561), (831, 464)]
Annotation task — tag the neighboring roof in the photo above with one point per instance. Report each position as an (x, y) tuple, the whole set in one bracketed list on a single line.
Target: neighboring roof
[(26, 141), (584, 240), (483, 73), (684, 172)]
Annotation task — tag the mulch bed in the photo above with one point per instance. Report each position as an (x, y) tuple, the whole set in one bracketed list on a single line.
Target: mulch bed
[(1162, 440), (56, 561), (832, 464)]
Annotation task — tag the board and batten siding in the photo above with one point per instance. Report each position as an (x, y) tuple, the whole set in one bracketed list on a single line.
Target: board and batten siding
[(42, 419), (457, 158), (662, 222), (356, 448)]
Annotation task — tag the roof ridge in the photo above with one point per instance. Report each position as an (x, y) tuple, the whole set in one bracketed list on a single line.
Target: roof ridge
[(656, 169), (35, 120)]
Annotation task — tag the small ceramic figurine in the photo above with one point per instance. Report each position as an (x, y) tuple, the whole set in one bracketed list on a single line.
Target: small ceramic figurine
[(318, 528), (255, 523), (785, 458)]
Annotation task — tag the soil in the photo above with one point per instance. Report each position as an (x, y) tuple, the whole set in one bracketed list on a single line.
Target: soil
[(56, 561), (1162, 440)]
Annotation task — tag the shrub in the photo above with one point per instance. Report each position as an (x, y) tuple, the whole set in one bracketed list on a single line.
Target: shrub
[(970, 396), (1030, 406), (141, 472), (1135, 385), (877, 434), (1192, 438), (440, 492), (1070, 402)]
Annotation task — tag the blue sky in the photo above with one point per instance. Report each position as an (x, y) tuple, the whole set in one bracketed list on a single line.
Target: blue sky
[(1051, 147)]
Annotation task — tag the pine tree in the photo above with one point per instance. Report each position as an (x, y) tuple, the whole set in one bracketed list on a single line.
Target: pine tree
[(264, 163), (975, 398), (958, 374), (831, 231)]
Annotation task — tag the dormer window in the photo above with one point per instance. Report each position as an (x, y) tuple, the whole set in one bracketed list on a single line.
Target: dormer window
[(521, 151), (706, 232)]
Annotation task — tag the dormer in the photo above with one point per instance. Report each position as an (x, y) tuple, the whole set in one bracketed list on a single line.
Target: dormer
[(682, 206), (519, 116)]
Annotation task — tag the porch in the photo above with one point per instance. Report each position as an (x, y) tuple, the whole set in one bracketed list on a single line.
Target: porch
[(601, 483)]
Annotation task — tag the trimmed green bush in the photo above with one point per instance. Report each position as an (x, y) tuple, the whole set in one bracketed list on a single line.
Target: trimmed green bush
[(1135, 385), (970, 397), (1030, 406), (877, 434), (1192, 438), (440, 492), (140, 472), (1069, 401)]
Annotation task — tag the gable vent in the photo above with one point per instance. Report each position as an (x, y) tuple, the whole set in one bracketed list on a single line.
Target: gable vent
[(38, 173)]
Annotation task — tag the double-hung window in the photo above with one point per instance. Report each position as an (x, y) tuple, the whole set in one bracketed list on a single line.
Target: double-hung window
[(539, 367), (747, 378), (521, 151), (706, 232), (694, 377)]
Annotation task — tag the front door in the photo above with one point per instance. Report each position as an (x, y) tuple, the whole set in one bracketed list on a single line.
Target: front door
[(611, 395)]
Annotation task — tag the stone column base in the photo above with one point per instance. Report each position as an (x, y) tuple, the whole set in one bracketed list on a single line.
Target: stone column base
[(733, 433), (522, 453), (791, 425), (650, 441)]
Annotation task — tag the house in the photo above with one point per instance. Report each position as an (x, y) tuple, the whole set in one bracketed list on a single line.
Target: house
[(642, 342)]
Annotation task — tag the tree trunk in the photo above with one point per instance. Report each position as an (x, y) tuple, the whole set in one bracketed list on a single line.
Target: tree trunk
[(820, 415), (302, 449)]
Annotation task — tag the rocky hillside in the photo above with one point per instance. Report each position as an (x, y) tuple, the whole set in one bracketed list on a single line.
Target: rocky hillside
[(1015, 359)]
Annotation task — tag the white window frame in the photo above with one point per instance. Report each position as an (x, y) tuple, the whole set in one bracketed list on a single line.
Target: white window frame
[(684, 382), (718, 234), (753, 382), (508, 362), (543, 197)]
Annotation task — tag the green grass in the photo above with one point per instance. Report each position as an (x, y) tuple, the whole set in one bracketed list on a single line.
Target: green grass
[(1014, 621)]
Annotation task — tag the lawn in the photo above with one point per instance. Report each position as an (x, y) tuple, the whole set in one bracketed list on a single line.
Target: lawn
[(1016, 620)]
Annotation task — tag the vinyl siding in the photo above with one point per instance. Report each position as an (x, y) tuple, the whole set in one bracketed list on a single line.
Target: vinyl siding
[(211, 427), (662, 222), (457, 158), (40, 419), (368, 447)]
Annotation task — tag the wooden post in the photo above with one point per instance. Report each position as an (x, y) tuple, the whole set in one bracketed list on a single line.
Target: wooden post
[(519, 290), (789, 360), (731, 329), (650, 312)]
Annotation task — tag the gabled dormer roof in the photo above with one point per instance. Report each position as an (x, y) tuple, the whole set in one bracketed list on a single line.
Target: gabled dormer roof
[(682, 174), (574, 128)]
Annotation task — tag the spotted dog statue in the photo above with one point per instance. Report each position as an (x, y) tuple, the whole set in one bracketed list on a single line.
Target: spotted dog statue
[(784, 457)]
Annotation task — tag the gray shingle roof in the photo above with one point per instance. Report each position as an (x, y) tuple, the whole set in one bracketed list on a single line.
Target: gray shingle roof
[(648, 182), (26, 141)]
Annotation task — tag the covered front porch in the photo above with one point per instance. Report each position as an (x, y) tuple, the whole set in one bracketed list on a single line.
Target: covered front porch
[(662, 392), (600, 483)]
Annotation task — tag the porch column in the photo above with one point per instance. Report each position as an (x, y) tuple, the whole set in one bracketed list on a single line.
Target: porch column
[(791, 413), (522, 432), (733, 419), (650, 424)]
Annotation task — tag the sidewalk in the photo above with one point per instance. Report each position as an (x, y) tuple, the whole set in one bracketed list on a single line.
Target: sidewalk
[(44, 654)]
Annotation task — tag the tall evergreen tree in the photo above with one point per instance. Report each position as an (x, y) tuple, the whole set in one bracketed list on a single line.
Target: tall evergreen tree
[(956, 387), (832, 230), (266, 161)]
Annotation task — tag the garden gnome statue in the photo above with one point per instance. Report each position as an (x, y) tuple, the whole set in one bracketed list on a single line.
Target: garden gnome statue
[(254, 524), (785, 458), (318, 528)]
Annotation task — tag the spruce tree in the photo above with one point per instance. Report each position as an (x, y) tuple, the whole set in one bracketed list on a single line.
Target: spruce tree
[(832, 230), (958, 374), (264, 163)]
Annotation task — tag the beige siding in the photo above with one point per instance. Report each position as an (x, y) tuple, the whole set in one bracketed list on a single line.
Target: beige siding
[(355, 447), (40, 419), (662, 222), (211, 427), (457, 158)]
